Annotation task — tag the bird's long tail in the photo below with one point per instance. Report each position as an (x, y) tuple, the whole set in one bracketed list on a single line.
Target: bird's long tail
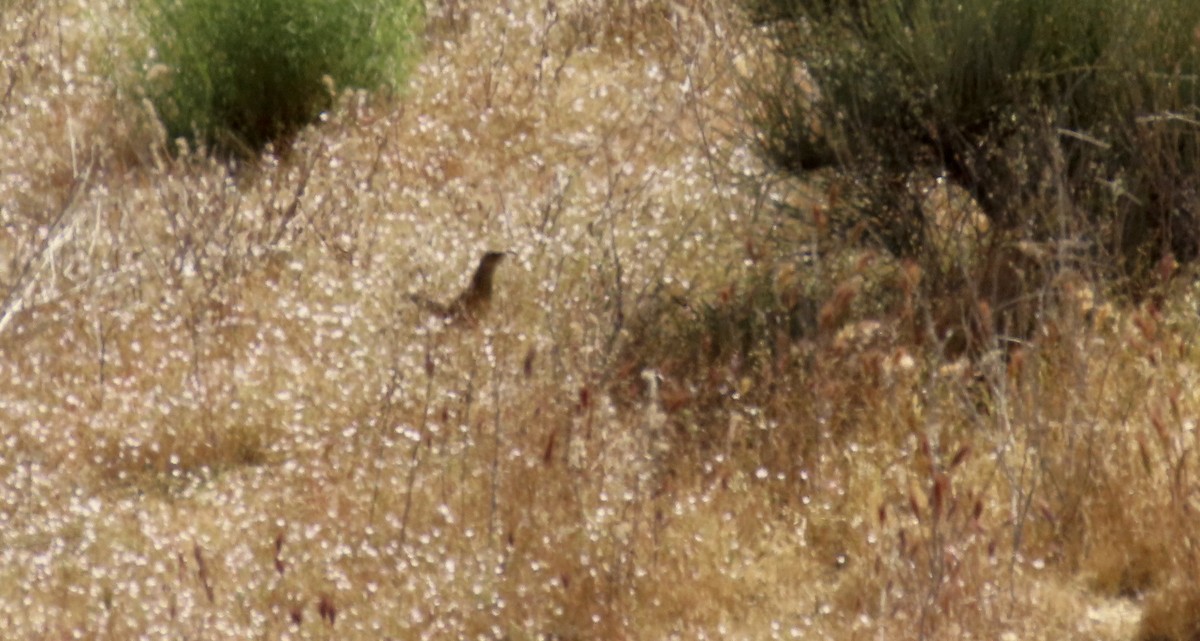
[(430, 306)]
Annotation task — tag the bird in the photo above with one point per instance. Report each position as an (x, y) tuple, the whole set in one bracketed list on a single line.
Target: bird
[(473, 303)]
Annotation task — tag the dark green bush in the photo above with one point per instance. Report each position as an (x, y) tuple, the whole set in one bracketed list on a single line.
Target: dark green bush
[(1062, 118), (242, 73)]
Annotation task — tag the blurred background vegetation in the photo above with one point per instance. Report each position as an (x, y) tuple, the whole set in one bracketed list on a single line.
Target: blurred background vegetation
[(1063, 120)]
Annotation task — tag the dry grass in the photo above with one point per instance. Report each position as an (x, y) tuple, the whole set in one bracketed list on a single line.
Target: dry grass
[(223, 418)]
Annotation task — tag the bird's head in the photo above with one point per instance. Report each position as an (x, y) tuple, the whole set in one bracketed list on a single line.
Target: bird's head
[(487, 265), (491, 259)]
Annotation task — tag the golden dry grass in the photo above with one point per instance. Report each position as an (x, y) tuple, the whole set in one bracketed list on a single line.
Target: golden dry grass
[(223, 418)]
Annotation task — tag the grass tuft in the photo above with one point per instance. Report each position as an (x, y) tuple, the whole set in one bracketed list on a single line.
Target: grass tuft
[(235, 76)]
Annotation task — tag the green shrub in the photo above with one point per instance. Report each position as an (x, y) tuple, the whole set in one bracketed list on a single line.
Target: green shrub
[(242, 73), (1061, 118)]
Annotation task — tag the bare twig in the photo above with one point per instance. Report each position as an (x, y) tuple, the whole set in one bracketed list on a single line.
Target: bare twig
[(41, 260)]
